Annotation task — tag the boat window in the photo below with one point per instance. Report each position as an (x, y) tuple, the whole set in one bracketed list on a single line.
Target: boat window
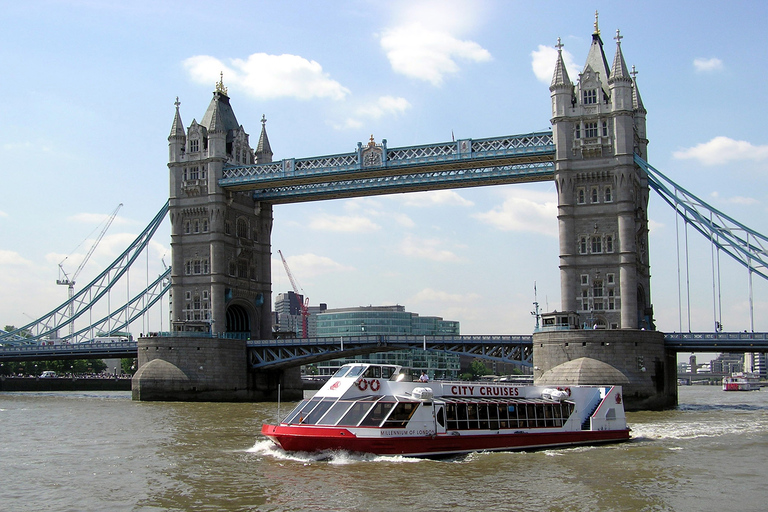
[(471, 416), (401, 414), (402, 376), (482, 416), (450, 412), (377, 414), (335, 412), (296, 410), (317, 413), (355, 413), (373, 372), (493, 417), (341, 372), (355, 371), (387, 371), (441, 416)]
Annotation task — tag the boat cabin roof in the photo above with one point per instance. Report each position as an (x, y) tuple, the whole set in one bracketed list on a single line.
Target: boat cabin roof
[(374, 371)]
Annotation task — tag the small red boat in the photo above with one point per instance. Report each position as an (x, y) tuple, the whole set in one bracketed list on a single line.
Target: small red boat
[(379, 409), (741, 382)]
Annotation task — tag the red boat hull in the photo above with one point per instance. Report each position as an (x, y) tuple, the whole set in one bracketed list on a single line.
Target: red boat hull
[(314, 439)]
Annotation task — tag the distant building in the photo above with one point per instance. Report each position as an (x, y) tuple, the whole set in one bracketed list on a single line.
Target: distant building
[(727, 363), (390, 320), (287, 318)]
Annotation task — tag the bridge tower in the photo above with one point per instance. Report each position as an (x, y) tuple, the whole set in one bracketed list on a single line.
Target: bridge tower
[(221, 275), (598, 124)]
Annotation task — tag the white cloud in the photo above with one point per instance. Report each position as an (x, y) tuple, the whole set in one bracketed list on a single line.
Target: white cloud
[(384, 106), (268, 76), (427, 248), (708, 65), (434, 198), (3, 214), (14, 259), (439, 296), (343, 223), (543, 63), (524, 210), (430, 48), (747, 201), (721, 150), (310, 265)]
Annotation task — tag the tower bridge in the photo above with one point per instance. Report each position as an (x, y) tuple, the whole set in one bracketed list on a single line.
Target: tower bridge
[(222, 192)]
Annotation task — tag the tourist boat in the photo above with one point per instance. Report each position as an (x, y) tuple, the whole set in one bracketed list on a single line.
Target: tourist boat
[(741, 382), (379, 409)]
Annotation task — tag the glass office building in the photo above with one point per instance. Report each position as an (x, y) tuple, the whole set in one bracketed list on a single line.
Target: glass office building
[(390, 320)]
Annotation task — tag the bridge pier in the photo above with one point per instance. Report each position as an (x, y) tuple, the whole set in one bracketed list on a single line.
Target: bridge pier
[(206, 369), (640, 357)]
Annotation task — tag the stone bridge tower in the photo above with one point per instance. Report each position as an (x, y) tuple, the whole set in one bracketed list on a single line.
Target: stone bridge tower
[(598, 126), (220, 277), (220, 240)]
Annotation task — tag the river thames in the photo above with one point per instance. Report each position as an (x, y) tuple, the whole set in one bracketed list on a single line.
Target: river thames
[(100, 451)]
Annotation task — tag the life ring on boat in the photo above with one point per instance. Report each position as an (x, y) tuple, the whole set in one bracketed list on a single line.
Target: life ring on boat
[(566, 390), (362, 384), (618, 398), (375, 385)]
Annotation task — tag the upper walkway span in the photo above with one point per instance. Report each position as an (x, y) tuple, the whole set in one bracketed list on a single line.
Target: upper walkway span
[(376, 169)]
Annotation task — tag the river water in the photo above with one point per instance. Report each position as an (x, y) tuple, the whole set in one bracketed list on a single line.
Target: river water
[(100, 451)]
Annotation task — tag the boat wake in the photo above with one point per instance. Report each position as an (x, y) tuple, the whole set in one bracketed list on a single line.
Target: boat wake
[(337, 457)]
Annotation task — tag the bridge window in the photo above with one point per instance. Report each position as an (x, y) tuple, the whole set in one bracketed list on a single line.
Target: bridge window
[(581, 196), (611, 300), (583, 245), (609, 243), (197, 226), (597, 288), (610, 278), (590, 96), (232, 268), (227, 228), (242, 228), (608, 194), (578, 130), (186, 228), (590, 130), (242, 270), (595, 196), (597, 247), (584, 280), (194, 173), (605, 128), (205, 225), (194, 145)]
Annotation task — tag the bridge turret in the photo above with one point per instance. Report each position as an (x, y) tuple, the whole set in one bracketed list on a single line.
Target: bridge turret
[(177, 140), (641, 142)]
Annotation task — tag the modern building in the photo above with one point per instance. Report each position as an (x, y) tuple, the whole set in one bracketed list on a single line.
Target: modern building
[(287, 319), (390, 320)]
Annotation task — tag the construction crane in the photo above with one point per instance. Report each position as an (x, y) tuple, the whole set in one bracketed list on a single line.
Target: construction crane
[(68, 281), (304, 305)]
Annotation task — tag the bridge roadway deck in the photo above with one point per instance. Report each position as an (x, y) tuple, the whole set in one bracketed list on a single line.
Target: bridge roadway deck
[(292, 352)]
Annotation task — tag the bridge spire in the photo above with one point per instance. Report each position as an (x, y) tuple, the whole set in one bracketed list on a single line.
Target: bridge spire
[(560, 77), (263, 149)]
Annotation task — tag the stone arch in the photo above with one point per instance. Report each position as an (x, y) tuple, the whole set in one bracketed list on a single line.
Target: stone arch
[(239, 318)]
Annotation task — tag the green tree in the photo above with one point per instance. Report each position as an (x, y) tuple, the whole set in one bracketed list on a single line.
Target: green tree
[(476, 369)]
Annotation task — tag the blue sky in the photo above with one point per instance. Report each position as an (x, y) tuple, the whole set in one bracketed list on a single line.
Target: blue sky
[(89, 90)]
